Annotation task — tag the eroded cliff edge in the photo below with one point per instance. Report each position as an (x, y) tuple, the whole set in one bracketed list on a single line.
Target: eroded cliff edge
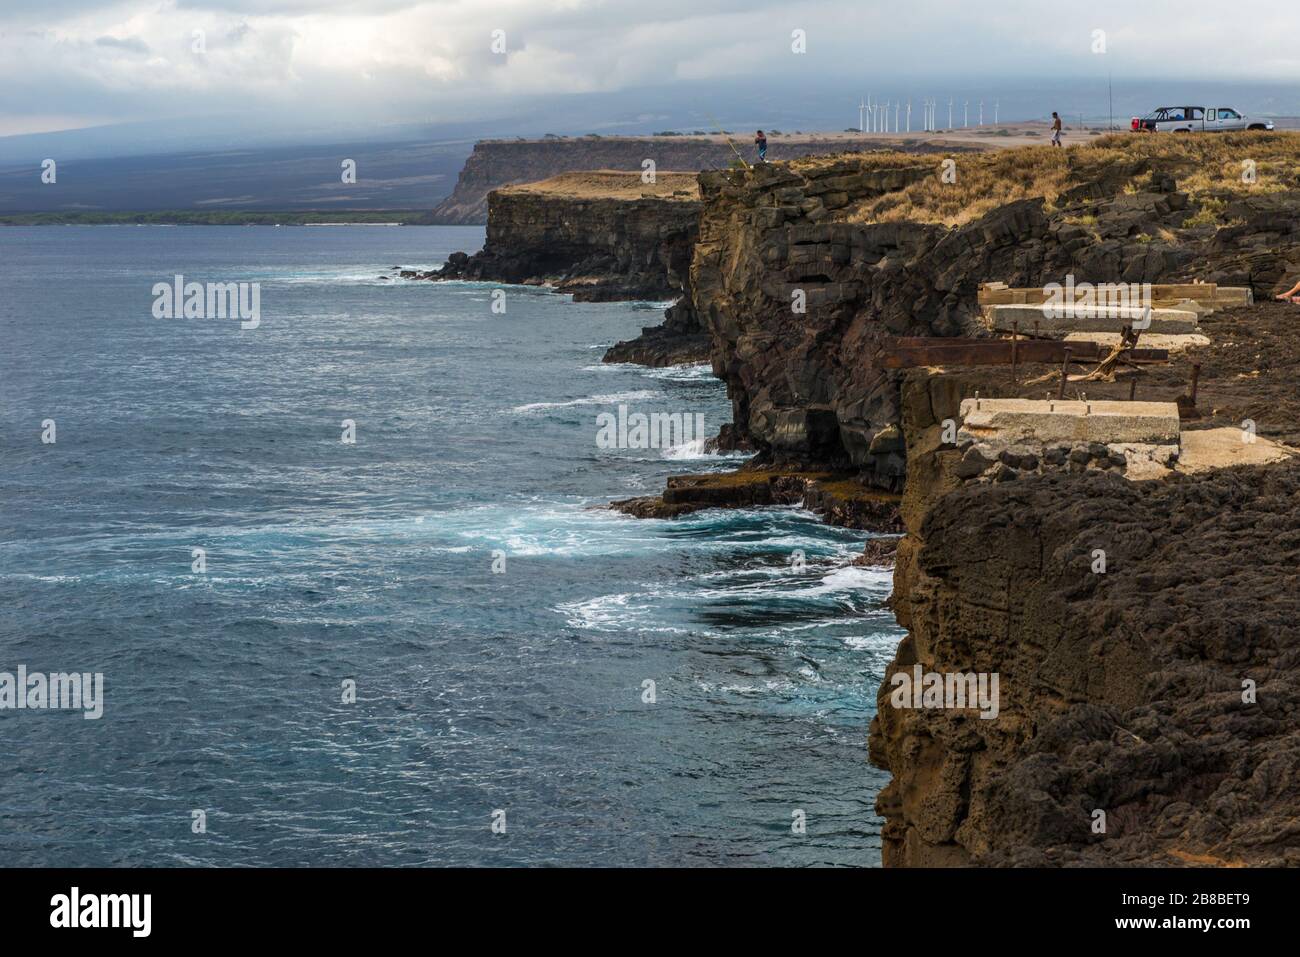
[(1160, 693), (879, 245), (600, 235), (1122, 692)]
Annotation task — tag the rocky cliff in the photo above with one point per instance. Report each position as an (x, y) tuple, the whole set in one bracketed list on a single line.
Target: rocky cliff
[(497, 163), (802, 268), (600, 235), (1148, 712)]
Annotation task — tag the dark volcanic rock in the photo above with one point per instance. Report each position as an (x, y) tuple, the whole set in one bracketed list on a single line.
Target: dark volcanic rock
[(838, 499), (679, 340), (878, 553), (599, 249), (1128, 692), (806, 386)]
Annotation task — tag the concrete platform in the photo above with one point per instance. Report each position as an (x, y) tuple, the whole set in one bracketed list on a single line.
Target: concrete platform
[(1059, 321), (1147, 341), (1225, 297), (1043, 422), (1206, 449)]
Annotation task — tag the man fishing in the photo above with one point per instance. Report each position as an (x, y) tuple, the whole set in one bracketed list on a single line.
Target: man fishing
[(761, 142)]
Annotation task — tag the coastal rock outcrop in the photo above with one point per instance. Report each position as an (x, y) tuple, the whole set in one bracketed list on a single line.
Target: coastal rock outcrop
[(802, 269), (600, 236), (1147, 711), (1143, 634), (839, 499)]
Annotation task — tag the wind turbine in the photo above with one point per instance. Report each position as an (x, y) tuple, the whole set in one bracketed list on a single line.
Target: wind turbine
[(995, 112), (965, 117), (862, 105), (950, 112), (909, 114), (895, 116), (981, 112)]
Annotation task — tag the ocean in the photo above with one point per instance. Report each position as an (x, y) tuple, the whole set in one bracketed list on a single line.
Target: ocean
[(429, 645)]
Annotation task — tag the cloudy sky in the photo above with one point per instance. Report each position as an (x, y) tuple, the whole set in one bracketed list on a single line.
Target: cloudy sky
[(66, 64)]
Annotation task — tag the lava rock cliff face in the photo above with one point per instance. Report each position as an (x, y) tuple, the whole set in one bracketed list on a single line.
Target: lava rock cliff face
[(1161, 692), (597, 248), (1149, 713), (805, 386)]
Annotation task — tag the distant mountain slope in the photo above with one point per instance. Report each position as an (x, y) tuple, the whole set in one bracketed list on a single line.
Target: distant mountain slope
[(388, 176)]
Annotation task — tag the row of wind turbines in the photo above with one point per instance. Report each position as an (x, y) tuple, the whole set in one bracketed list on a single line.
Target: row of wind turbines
[(873, 116)]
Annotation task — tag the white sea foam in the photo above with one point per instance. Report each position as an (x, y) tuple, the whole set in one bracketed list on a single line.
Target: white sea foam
[(606, 399), (370, 277), (616, 613), (694, 451), (852, 578), (876, 641), (687, 450), (691, 372)]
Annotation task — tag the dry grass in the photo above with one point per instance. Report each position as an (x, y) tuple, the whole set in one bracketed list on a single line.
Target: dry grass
[(984, 182), (613, 184), (1209, 167)]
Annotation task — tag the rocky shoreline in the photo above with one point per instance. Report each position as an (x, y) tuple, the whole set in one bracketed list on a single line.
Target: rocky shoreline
[(837, 497)]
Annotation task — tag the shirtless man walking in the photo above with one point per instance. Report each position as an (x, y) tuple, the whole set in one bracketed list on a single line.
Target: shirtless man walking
[(1056, 129)]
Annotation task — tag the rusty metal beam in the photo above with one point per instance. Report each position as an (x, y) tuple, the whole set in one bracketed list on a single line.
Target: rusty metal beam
[(907, 352)]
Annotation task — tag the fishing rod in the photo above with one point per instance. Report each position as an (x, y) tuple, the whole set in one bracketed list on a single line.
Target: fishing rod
[(721, 132)]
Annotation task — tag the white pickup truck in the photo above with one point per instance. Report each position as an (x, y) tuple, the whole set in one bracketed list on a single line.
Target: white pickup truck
[(1196, 119)]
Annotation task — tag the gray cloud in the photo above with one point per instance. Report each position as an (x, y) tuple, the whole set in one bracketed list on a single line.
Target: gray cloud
[(403, 60), (131, 44)]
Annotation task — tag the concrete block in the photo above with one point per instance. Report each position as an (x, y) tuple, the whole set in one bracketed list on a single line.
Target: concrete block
[(1228, 296), (1044, 422), (1066, 319)]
